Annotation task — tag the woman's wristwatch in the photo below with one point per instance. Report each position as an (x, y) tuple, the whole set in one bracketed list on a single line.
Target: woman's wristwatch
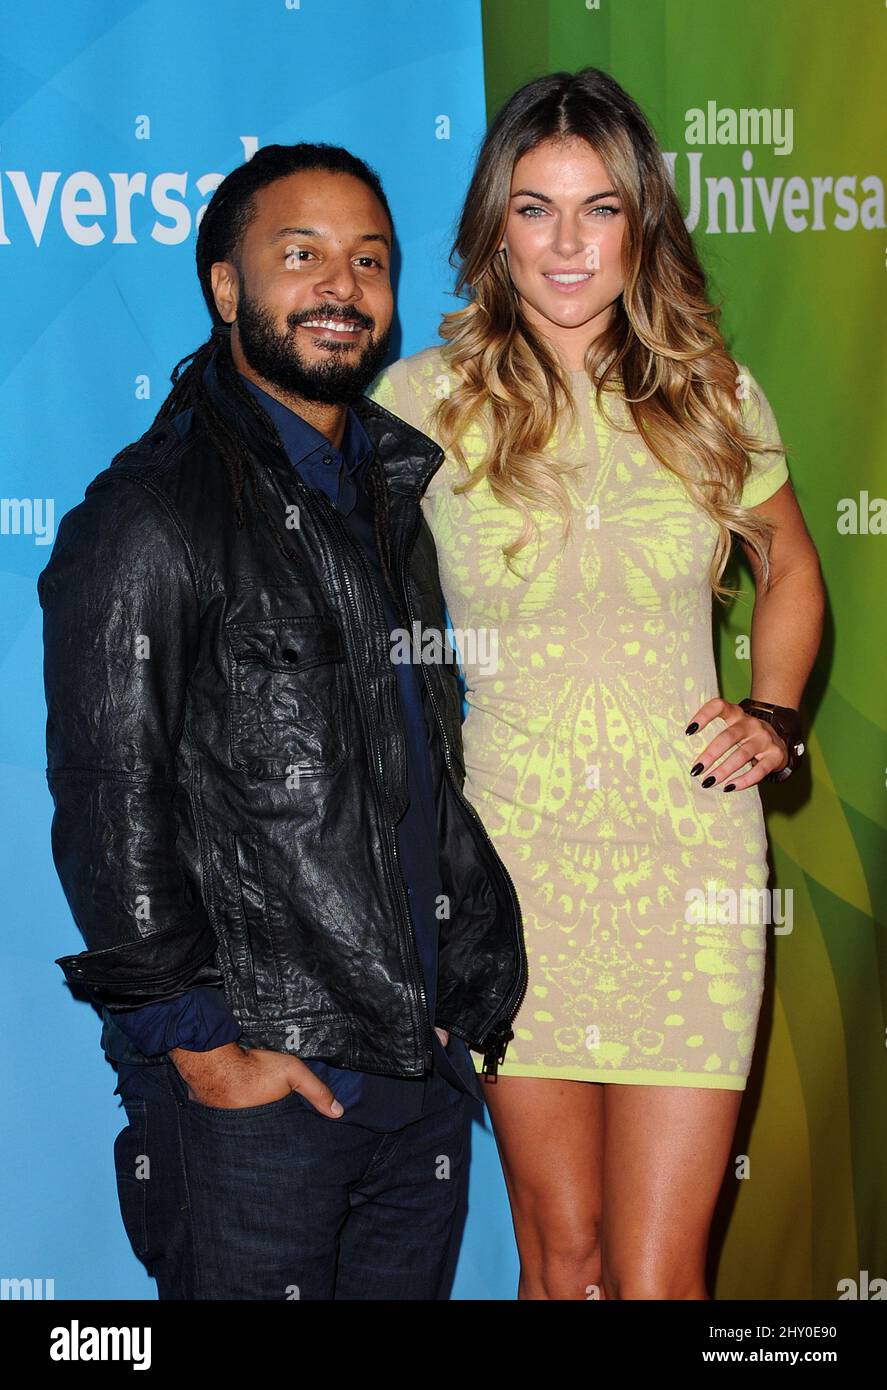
[(787, 723)]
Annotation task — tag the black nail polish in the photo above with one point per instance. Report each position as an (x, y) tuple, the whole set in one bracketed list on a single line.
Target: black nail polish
[(730, 787), (691, 728), (709, 782), (695, 771)]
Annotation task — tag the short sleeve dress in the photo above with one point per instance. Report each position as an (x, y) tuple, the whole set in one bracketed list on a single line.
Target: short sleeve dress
[(642, 892)]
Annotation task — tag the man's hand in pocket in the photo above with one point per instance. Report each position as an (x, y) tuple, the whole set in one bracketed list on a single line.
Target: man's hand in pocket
[(231, 1077)]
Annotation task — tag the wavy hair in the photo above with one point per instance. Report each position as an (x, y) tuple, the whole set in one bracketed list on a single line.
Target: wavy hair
[(662, 350)]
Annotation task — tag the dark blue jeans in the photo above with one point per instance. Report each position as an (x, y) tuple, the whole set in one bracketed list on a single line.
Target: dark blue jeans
[(274, 1201)]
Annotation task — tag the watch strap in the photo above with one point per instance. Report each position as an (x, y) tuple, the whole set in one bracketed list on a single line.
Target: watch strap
[(787, 723)]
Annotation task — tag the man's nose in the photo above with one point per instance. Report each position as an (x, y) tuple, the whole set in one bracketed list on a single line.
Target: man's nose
[(339, 282)]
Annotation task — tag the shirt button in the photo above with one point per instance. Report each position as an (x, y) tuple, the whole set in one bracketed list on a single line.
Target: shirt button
[(327, 458)]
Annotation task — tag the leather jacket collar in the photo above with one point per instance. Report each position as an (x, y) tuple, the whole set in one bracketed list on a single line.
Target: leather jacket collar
[(408, 457)]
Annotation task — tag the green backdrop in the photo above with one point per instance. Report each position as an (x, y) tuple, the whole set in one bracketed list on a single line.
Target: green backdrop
[(800, 273)]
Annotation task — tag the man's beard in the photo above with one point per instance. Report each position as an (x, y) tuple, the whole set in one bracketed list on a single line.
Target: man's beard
[(275, 357)]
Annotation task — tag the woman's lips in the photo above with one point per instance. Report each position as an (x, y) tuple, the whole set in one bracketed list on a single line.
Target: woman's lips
[(571, 285)]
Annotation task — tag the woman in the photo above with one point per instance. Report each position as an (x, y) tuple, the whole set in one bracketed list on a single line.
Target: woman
[(602, 449)]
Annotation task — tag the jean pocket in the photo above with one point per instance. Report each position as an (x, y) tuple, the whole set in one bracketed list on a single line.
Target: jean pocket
[(132, 1165), (271, 1107)]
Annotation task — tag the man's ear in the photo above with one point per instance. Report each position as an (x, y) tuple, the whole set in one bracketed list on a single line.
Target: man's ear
[(225, 284)]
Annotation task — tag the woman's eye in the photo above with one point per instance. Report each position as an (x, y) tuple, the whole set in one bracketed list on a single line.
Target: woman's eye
[(533, 208)]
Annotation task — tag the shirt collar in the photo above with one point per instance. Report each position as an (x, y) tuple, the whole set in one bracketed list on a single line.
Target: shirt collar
[(301, 440), (407, 458)]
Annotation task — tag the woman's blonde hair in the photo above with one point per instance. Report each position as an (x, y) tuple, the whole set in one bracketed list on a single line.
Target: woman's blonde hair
[(662, 349)]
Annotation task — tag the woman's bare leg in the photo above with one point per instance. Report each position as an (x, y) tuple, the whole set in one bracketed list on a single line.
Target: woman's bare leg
[(665, 1152), (550, 1141), (612, 1187)]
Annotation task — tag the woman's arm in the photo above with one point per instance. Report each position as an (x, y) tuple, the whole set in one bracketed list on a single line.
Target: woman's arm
[(786, 627), (786, 631)]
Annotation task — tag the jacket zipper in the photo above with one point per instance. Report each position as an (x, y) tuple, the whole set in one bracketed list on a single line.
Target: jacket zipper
[(495, 1043), (390, 838)]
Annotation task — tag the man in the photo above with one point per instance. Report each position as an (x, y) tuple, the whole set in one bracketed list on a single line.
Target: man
[(295, 922)]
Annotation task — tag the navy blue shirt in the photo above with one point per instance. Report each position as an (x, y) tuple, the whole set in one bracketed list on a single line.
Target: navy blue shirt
[(200, 1018)]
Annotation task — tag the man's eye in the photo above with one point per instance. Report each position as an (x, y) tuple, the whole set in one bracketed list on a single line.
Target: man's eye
[(370, 260), (294, 253)]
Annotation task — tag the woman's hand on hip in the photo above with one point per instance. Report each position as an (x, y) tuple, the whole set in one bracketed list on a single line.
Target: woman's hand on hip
[(750, 738)]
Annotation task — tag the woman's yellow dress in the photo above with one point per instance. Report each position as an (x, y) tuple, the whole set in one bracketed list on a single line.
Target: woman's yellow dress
[(640, 889)]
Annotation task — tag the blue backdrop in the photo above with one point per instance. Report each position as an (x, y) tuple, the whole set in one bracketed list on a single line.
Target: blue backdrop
[(117, 123)]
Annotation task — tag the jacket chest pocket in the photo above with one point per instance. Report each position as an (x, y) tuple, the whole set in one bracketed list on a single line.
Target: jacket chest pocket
[(287, 701)]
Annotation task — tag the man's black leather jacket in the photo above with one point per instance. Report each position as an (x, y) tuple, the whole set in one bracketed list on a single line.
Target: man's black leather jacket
[(227, 763)]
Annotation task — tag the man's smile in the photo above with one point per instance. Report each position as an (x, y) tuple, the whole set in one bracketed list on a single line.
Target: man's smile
[(340, 330)]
